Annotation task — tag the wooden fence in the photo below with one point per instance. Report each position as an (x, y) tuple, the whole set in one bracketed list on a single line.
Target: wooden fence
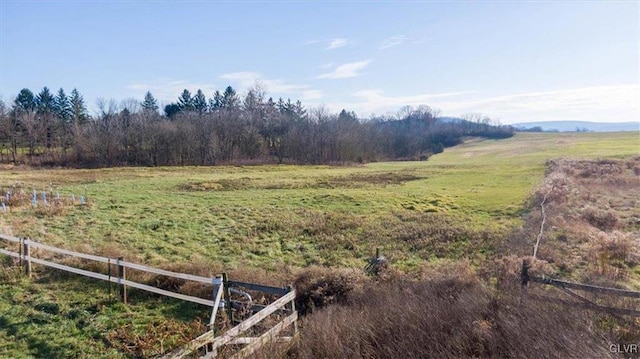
[(207, 343), (571, 287)]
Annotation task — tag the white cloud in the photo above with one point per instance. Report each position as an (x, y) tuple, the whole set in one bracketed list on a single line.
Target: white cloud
[(345, 71), (336, 43), (331, 44), (375, 101), (597, 103), (311, 95), (246, 79), (392, 41), (242, 76)]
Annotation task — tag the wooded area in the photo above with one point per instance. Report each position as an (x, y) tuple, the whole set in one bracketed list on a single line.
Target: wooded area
[(56, 130)]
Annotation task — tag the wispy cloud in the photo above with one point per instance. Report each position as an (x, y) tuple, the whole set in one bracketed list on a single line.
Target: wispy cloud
[(245, 79), (351, 69), (375, 101), (595, 103), (311, 95), (378, 95), (337, 43), (392, 41), (330, 44)]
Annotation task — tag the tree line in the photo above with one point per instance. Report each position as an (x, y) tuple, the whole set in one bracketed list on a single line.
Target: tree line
[(57, 130)]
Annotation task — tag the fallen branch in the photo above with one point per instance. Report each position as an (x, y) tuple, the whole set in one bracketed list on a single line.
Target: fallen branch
[(544, 219)]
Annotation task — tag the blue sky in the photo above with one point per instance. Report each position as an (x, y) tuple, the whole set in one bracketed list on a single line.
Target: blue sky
[(511, 61)]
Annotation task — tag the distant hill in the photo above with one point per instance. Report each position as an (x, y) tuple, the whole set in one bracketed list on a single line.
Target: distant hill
[(448, 119), (572, 126)]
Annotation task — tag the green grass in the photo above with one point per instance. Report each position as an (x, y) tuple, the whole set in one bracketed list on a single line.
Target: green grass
[(267, 216), (50, 317), (460, 204)]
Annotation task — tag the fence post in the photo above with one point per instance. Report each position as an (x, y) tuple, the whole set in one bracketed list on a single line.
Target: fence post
[(122, 275), (524, 278), (227, 297), (292, 306), (27, 252), (20, 248), (109, 274)]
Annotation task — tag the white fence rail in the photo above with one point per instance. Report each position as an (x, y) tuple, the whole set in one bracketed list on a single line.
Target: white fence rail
[(9, 238), (27, 244), (207, 342), (211, 345), (140, 267)]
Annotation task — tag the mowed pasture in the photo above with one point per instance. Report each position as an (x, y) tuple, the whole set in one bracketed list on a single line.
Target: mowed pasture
[(458, 204)]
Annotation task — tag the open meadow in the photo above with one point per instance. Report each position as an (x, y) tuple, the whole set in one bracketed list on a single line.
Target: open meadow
[(270, 216), (461, 205)]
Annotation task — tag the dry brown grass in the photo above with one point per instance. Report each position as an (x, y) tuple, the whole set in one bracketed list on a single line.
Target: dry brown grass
[(447, 316), (605, 220), (591, 236), (592, 231), (155, 338)]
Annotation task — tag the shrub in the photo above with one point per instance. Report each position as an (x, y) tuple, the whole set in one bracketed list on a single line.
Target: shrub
[(604, 220), (319, 287)]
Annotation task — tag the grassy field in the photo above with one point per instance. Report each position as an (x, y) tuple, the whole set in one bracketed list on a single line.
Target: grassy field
[(270, 216), (460, 204)]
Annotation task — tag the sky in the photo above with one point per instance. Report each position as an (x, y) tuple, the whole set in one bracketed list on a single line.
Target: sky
[(511, 61)]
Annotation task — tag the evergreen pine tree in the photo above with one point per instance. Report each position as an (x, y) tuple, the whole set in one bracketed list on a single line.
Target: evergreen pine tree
[(25, 101), (171, 110), (45, 101), (230, 98), (281, 106), (185, 101), (150, 104), (78, 108), (299, 110), (271, 105), (62, 107), (200, 102), (215, 103)]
